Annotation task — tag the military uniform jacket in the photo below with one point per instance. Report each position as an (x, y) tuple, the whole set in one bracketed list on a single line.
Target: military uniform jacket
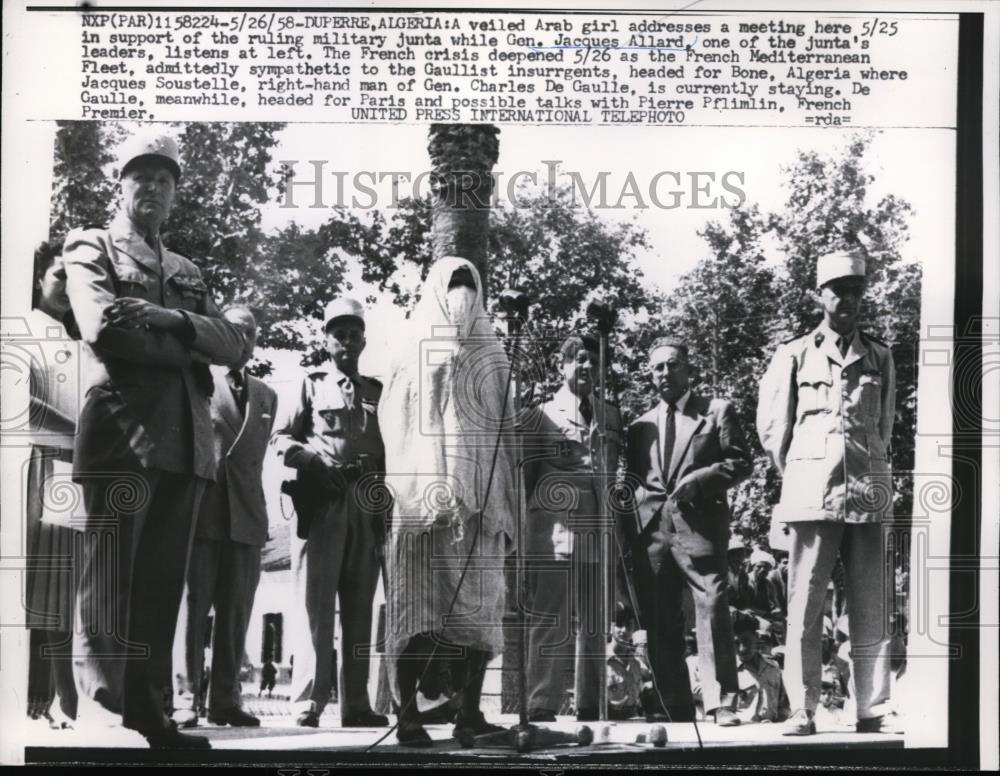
[(321, 424), (235, 508), (562, 464), (826, 422), (710, 451), (143, 403)]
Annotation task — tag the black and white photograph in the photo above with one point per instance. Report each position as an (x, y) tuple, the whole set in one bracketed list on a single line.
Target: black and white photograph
[(478, 387)]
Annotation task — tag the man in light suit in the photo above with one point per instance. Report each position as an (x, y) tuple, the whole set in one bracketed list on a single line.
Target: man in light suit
[(232, 528), (682, 456), (566, 481), (143, 449)]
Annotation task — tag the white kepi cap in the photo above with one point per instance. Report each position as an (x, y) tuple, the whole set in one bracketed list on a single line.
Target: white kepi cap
[(344, 306), (150, 143), (839, 264)]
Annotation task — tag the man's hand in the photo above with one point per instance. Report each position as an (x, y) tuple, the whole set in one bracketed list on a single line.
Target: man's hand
[(131, 313)]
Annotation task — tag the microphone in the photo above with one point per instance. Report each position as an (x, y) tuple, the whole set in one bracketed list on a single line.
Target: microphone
[(513, 304), (603, 315)]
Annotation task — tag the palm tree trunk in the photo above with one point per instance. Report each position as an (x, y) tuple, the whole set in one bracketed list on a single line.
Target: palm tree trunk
[(462, 159)]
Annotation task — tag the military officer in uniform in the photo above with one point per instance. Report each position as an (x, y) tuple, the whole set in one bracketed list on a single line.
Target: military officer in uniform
[(825, 416), (566, 482), (143, 451), (332, 438), (232, 529)]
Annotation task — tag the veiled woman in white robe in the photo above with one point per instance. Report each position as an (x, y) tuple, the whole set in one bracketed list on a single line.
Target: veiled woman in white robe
[(447, 425)]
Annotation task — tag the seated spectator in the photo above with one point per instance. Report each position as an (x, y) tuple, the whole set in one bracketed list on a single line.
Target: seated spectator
[(771, 699), (738, 586), (777, 581), (759, 594), (627, 669)]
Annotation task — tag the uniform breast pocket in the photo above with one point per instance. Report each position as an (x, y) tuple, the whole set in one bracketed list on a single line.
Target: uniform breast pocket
[(331, 419), (870, 386), (131, 282), (190, 291), (813, 395)]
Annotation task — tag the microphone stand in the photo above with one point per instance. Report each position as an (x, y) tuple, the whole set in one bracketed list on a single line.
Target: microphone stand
[(524, 736), (604, 318)]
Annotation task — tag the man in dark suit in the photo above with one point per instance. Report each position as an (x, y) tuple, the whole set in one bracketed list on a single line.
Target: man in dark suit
[(232, 528), (143, 449), (682, 456)]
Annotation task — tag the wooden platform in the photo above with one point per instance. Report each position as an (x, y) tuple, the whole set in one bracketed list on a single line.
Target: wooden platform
[(278, 740)]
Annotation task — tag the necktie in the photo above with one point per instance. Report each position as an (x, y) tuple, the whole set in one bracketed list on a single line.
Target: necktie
[(843, 343), (236, 385), (586, 411), (669, 436)]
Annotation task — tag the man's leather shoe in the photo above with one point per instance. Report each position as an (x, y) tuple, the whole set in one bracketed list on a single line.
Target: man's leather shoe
[(308, 719), (541, 715), (413, 735), (799, 724), (586, 715), (726, 718), (365, 719), (172, 738), (234, 716), (887, 723)]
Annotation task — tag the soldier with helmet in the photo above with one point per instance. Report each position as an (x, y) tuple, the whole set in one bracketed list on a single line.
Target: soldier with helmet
[(144, 448), (825, 416), (331, 438)]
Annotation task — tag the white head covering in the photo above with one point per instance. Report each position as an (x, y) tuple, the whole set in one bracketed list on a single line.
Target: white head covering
[(444, 407)]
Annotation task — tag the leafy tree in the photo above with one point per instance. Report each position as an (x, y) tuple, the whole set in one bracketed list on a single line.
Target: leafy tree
[(82, 192)]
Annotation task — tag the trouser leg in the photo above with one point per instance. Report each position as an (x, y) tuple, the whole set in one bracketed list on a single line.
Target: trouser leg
[(549, 634), (813, 548), (589, 603), (237, 584), (116, 507), (316, 564), (157, 586), (658, 587), (202, 578), (706, 578), (866, 586), (358, 581)]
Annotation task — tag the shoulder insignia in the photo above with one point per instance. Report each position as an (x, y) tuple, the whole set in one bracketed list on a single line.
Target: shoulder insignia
[(795, 337)]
